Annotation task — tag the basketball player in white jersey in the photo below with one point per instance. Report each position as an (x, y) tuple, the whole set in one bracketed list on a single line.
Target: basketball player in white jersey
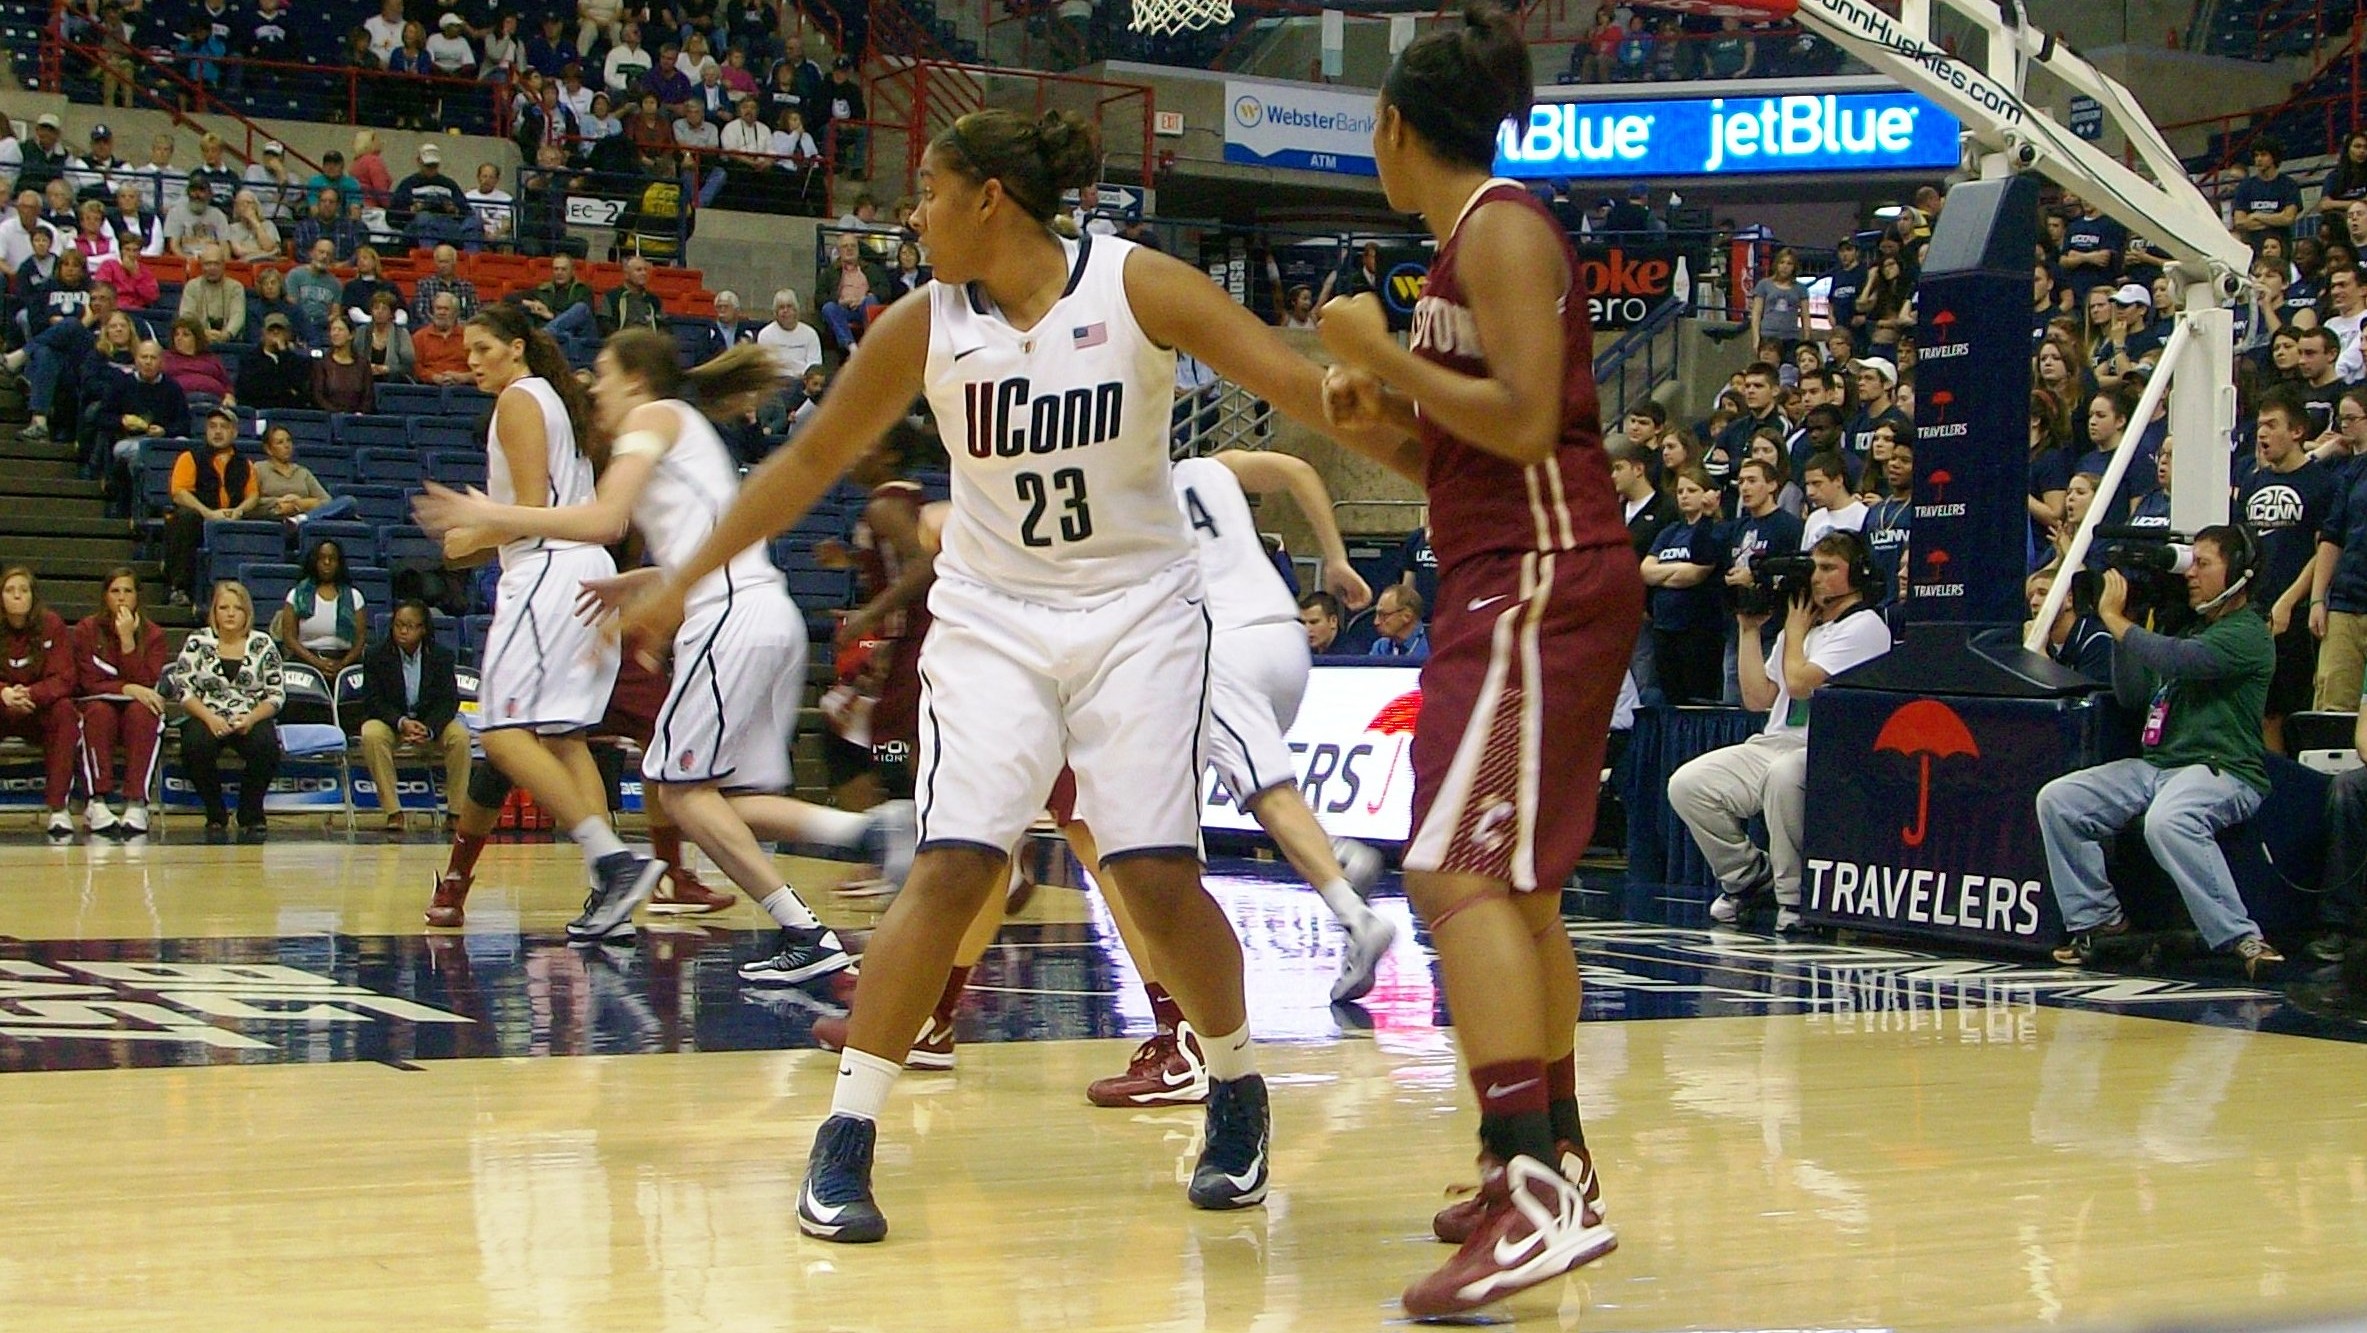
[(718, 757), (546, 674), (1070, 618)]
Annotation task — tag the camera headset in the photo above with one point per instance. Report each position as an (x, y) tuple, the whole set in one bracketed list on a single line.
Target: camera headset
[(2243, 554), (1862, 575)]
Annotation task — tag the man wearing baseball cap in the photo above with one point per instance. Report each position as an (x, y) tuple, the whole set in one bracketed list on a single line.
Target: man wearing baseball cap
[(1877, 382), (89, 173), (46, 159), (427, 193)]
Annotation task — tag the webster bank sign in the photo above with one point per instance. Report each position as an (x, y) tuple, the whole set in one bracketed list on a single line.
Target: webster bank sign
[(1330, 129)]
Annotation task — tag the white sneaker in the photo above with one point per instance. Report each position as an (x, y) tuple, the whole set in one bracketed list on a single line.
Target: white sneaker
[(1369, 938), (1726, 909), (100, 817), (1361, 864), (135, 820), (1788, 920), (61, 825)]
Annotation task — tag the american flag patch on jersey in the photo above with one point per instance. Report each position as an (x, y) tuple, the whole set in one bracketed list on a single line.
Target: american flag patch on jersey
[(1091, 335)]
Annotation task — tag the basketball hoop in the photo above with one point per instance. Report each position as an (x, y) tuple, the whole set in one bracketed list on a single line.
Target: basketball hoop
[(1165, 18)]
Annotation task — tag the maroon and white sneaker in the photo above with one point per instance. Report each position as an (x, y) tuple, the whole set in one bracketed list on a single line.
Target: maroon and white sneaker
[(1455, 1222), (680, 892), (445, 909), (932, 1050), (1533, 1227), (1167, 1070)]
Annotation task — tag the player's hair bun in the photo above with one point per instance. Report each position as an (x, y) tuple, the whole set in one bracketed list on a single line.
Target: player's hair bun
[(1071, 148)]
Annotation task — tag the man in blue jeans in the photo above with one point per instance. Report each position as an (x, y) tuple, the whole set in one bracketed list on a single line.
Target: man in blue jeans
[(2204, 767)]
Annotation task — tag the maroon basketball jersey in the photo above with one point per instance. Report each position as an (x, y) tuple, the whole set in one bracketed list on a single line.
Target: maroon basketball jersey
[(1483, 503), (877, 563)]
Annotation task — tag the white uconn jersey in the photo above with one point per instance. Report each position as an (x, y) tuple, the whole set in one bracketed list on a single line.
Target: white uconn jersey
[(693, 483), (1058, 438), (570, 473), (1244, 588)]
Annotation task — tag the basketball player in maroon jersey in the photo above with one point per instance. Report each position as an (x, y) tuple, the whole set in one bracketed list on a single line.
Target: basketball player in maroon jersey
[(1495, 415), (893, 566), (632, 714)]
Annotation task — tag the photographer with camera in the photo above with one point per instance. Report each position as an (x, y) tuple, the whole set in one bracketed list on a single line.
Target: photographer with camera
[(2203, 767), (1828, 627)]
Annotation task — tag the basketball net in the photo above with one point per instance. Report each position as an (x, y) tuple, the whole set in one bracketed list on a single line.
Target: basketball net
[(1165, 18)]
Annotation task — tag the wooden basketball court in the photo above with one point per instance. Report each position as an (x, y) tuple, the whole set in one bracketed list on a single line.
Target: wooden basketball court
[(247, 1090)]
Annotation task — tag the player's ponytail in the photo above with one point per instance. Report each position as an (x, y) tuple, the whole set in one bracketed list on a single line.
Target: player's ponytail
[(722, 388), (1456, 85), (1036, 160), (545, 361)]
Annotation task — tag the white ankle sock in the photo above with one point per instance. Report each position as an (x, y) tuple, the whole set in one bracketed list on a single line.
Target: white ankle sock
[(863, 1083), (784, 906), (1230, 1056), (597, 840), (1341, 898)]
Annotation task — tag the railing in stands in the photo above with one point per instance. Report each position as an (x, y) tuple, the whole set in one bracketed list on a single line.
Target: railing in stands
[(470, 105), (1644, 358), (929, 95), (2238, 131)]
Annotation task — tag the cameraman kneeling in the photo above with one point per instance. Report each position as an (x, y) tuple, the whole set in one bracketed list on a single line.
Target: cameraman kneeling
[(2203, 768), (1824, 631)]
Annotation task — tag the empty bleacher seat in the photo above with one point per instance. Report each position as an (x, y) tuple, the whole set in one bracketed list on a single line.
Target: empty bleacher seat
[(365, 430), (305, 427), (377, 465), (410, 399), (445, 433), (813, 588), (457, 467), (382, 506), (359, 541), (404, 544), (268, 583), (230, 545), (375, 584)]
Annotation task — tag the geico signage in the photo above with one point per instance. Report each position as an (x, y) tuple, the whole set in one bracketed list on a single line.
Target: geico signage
[(1717, 136), (1352, 748)]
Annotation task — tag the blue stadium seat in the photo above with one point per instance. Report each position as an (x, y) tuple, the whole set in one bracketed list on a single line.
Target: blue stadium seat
[(397, 465), (457, 467), (472, 637), (382, 506), (232, 544), (443, 433), (361, 431), (268, 584), (404, 544), (359, 541), (156, 473), (375, 584), (410, 400), (307, 427), (465, 403), (336, 471), (815, 588)]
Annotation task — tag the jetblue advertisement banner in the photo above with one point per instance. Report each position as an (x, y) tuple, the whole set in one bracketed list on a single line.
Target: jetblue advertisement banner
[(1972, 432), (1730, 136), (1330, 129), (1927, 815)]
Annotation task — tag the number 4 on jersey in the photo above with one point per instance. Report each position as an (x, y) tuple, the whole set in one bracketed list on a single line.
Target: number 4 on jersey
[(1201, 522)]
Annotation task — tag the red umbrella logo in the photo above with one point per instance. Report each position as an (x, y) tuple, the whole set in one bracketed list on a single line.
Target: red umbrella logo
[(1942, 319), (1938, 481), (1926, 730), (1396, 718), (1940, 398)]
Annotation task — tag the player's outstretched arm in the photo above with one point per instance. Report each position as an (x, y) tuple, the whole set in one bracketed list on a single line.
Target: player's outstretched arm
[(1179, 307), (1265, 473), (1515, 411), (873, 391)]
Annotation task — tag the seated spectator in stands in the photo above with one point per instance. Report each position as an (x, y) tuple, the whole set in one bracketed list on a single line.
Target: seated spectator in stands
[(37, 689), (386, 345), (328, 222), (385, 30), (628, 60), (134, 283), (227, 679), (50, 353), (2203, 768), (439, 350), (286, 489), (201, 52), (366, 283), (334, 176), (277, 375), (549, 51), (1766, 446), (562, 307), (910, 275), (411, 697), (547, 121), (215, 170), (1835, 505), (119, 656), (211, 483), (1321, 615), (1829, 627), (1687, 629), (602, 120), (269, 297), (725, 330), (194, 366), (698, 52), (695, 133), (57, 208), (60, 299), (139, 227), (195, 223), (505, 51), (370, 170), (21, 226), (315, 292), (145, 404), (496, 209), (427, 190), (1397, 620), (793, 343), (855, 285), (448, 52), (276, 187), (710, 95), (94, 236), (341, 376), (446, 280), (324, 623), (252, 236), (575, 93), (213, 301), (809, 394), (632, 305)]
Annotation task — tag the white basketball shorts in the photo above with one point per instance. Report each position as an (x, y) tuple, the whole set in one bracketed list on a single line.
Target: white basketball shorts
[(1258, 674), (1012, 689), (739, 678), (544, 669)]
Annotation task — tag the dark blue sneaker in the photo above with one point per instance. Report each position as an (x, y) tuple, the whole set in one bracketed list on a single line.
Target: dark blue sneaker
[(623, 881), (835, 1204), (1232, 1168)]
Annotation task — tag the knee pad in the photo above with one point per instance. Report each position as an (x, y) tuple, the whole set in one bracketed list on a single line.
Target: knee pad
[(488, 786)]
